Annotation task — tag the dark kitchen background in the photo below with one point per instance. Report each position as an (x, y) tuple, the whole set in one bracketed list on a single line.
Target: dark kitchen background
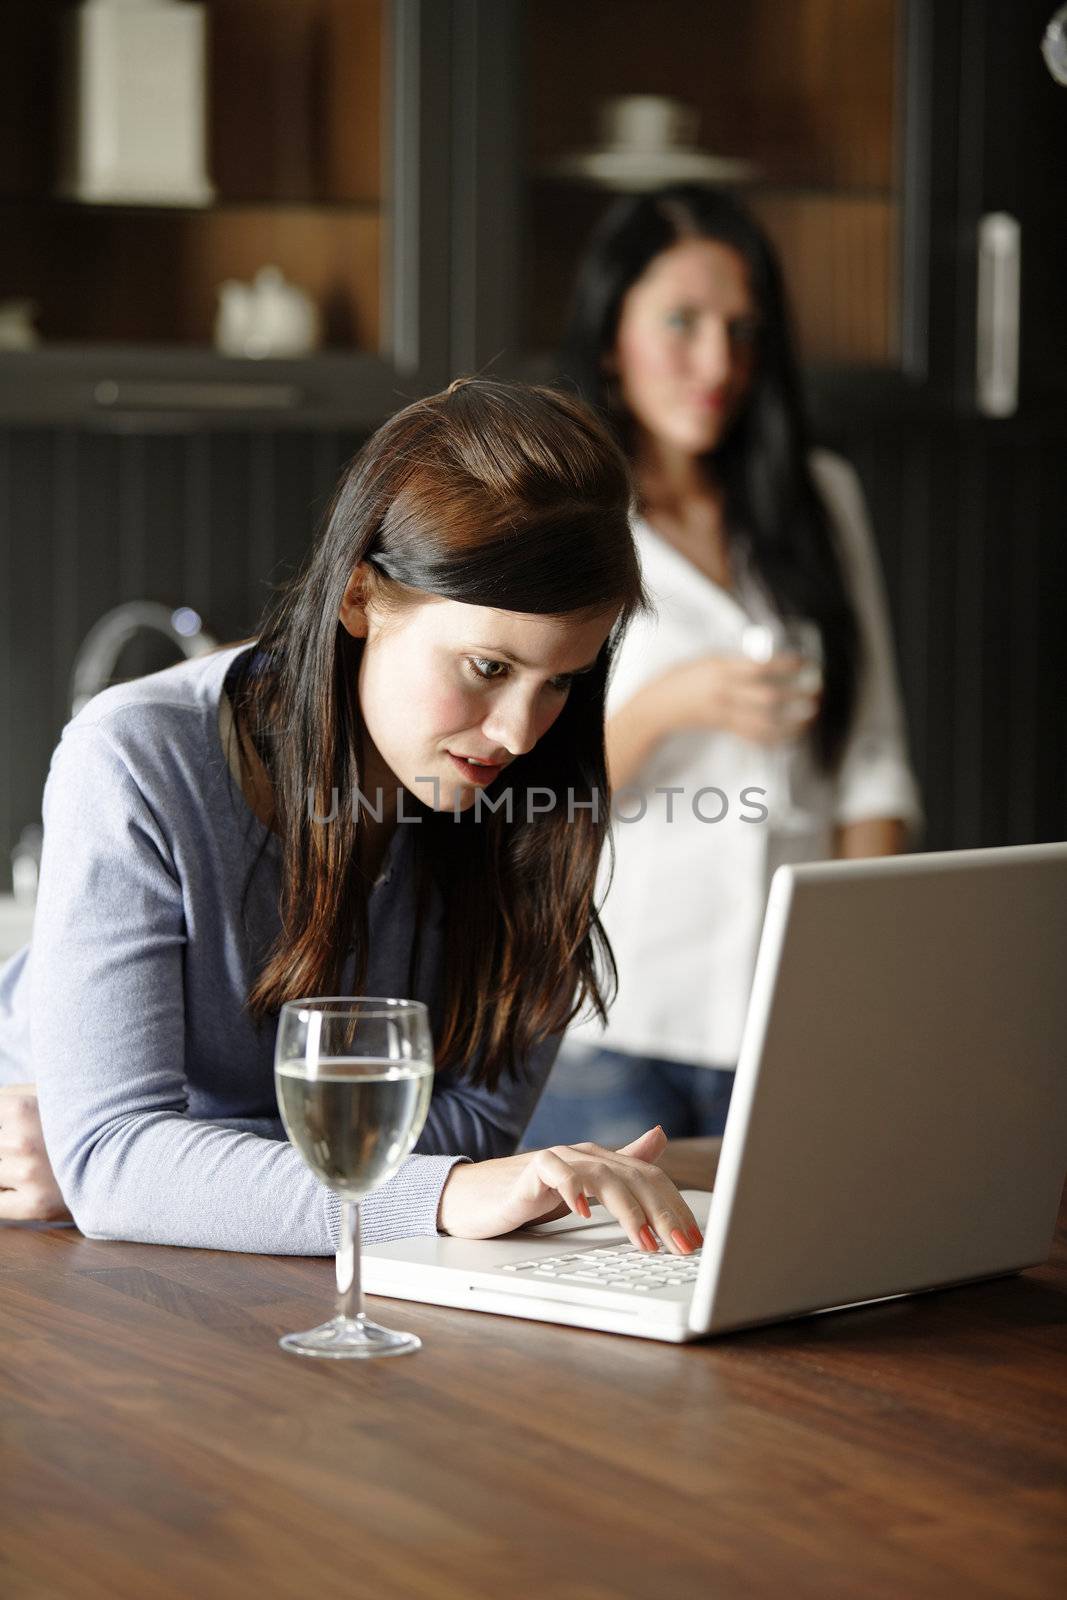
[(401, 163)]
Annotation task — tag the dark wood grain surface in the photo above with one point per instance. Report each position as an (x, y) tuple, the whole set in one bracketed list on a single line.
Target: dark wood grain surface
[(155, 1442)]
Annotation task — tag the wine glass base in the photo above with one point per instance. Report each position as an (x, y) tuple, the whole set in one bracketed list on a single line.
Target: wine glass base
[(343, 1337)]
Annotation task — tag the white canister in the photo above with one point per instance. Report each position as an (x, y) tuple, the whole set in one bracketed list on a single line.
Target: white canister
[(135, 103)]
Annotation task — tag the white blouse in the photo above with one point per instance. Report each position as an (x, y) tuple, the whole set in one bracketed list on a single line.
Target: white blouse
[(687, 896)]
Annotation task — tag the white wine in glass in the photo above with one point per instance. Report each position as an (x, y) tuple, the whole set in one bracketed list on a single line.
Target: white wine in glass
[(797, 638), (354, 1078)]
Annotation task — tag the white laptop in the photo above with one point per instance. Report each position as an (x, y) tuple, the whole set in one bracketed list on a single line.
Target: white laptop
[(898, 1122)]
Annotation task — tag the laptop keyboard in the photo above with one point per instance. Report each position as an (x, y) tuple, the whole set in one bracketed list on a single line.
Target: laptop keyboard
[(613, 1267)]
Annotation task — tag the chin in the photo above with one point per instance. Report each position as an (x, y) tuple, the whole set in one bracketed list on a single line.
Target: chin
[(704, 437), (449, 795), (459, 798)]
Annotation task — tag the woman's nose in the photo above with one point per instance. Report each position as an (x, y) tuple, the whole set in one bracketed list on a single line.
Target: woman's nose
[(712, 351), (512, 725)]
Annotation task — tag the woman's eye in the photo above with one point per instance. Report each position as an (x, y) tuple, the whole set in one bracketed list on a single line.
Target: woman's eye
[(682, 320), (486, 669)]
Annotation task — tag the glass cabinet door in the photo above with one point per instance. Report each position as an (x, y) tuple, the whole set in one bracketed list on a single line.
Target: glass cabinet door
[(808, 95), (317, 165)]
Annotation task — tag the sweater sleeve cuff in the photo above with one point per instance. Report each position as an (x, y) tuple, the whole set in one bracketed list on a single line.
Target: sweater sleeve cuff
[(404, 1208)]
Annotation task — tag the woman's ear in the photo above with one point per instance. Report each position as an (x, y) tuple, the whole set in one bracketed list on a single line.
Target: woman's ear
[(353, 613)]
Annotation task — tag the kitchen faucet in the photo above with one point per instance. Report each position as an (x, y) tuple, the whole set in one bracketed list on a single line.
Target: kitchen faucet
[(107, 638)]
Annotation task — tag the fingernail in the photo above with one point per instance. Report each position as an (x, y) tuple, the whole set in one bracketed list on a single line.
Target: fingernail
[(696, 1238), (647, 1238), (684, 1244), (582, 1205)]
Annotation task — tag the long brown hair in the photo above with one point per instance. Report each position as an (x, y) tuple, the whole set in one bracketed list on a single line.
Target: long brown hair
[(492, 494)]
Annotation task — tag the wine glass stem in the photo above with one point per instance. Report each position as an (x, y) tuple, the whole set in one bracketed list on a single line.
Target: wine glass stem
[(349, 1286), (784, 797)]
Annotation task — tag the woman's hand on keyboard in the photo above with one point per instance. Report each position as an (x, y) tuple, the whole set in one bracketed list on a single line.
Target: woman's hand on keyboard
[(485, 1198)]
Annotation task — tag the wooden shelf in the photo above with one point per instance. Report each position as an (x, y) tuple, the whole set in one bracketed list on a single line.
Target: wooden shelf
[(153, 276), (43, 205), (169, 388)]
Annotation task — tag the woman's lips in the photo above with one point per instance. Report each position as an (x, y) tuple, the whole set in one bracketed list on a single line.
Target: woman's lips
[(475, 774)]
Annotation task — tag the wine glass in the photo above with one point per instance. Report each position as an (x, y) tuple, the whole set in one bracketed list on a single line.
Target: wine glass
[(766, 641), (354, 1078)]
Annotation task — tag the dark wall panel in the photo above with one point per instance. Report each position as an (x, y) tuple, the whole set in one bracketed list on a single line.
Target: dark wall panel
[(89, 520), (969, 523)]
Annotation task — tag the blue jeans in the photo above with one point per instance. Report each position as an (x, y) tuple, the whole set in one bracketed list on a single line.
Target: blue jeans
[(610, 1098)]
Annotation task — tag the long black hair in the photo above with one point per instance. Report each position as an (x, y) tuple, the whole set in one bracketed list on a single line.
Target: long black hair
[(774, 515), (502, 495)]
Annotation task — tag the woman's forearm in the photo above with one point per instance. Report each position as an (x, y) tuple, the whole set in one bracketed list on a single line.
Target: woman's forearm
[(874, 836), (170, 1179), (712, 694), (632, 734)]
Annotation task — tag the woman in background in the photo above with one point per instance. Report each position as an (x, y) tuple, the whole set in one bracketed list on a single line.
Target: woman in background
[(679, 337)]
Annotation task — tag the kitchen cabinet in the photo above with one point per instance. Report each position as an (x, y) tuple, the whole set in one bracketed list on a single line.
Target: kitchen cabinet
[(326, 156)]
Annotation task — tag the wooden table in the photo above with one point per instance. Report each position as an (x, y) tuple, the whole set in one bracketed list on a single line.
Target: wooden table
[(155, 1442)]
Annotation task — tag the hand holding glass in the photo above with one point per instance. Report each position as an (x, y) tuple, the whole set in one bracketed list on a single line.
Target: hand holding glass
[(354, 1078), (767, 641)]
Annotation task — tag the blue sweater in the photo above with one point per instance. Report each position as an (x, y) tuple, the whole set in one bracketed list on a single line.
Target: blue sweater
[(156, 1089)]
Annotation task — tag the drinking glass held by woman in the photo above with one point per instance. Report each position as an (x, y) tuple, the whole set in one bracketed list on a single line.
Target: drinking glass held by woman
[(208, 855)]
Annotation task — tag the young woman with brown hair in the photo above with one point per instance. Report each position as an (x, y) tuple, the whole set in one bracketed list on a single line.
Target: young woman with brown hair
[(356, 802)]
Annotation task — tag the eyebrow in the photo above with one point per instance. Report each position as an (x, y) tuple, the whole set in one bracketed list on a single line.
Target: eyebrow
[(495, 650), (741, 314)]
